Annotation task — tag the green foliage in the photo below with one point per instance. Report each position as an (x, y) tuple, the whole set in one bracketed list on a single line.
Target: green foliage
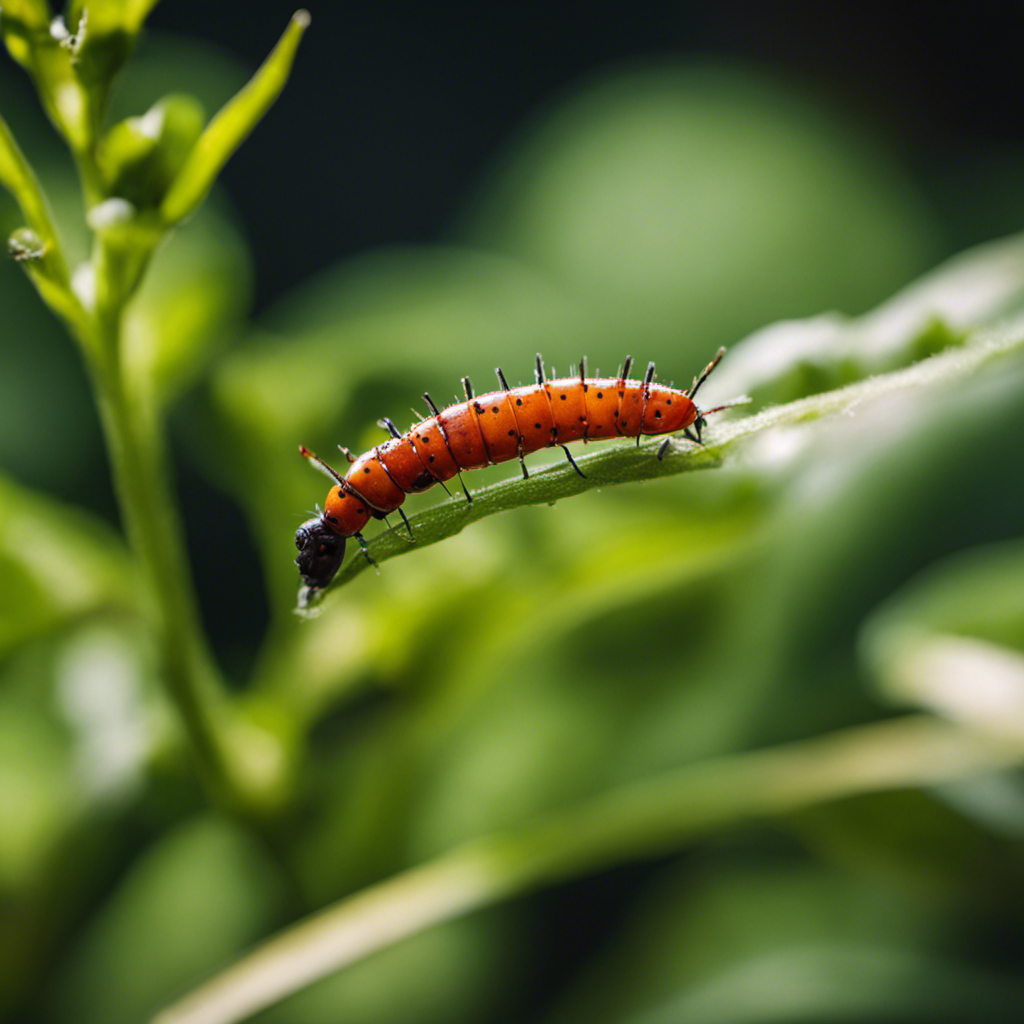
[(963, 623), (141, 156), (701, 662), (626, 190), (228, 130), (707, 945), (199, 897), (36, 791), (57, 564)]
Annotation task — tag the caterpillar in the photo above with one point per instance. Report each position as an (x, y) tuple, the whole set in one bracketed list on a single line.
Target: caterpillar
[(482, 430)]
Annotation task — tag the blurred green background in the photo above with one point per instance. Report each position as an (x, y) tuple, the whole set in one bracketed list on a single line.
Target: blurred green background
[(645, 189)]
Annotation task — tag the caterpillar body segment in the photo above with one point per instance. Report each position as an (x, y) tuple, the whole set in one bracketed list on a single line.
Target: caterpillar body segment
[(483, 430)]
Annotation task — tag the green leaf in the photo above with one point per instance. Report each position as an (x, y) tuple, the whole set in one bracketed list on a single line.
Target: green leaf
[(624, 464), (953, 641), (24, 24), (940, 310), (37, 797), (19, 179), (26, 28), (231, 125), (780, 939), (108, 30), (190, 306), (430, 315), (140, 156), (56, 564), (200, 895)]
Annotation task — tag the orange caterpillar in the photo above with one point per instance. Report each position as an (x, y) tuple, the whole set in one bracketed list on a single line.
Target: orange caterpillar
[(482, 430)]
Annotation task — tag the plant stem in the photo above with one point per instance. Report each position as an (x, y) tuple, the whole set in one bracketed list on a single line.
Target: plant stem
[(149, 511), (644, 819), (241, 764)]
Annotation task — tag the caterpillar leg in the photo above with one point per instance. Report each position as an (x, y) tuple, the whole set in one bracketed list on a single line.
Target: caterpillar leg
[(522, 461), (663, 447), (408, 525), (362, 547), (572, 461)]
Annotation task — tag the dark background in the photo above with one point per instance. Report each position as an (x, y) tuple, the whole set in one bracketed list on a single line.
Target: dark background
[(394, 113)]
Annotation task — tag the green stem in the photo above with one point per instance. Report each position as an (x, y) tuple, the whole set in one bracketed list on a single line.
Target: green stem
[(243, 765), (88, 175), (149, 510), (644, 819), (17, 176)]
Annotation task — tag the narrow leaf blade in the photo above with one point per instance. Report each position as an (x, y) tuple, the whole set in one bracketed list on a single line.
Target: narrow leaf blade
[(232, 125)]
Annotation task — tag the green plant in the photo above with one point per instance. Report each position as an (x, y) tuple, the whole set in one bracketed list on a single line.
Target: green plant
[(703, 663), (140, 179)]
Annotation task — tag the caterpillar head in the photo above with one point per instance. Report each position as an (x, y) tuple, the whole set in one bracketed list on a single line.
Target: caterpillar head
[(321, 551)]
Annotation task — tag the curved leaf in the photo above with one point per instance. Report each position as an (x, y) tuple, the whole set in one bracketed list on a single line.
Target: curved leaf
[(56, 563), (953, 641), (624, 464), (646, 818), (231, 125)]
